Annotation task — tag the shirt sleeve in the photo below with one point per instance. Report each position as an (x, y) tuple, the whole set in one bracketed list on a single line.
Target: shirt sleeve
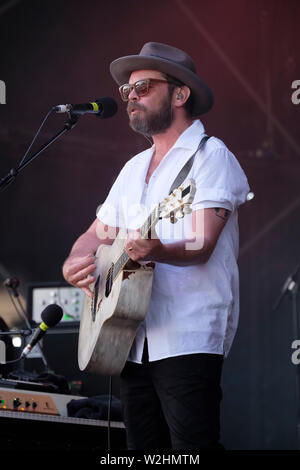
[(220, 180)]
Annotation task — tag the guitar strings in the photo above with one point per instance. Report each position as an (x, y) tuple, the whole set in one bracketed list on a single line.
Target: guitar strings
[(116, 268)]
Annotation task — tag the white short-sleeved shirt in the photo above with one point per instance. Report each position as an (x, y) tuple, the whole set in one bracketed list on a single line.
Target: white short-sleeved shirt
[(193, 309)]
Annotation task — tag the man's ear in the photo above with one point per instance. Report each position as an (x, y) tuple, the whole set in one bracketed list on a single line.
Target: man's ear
[(181, 95)]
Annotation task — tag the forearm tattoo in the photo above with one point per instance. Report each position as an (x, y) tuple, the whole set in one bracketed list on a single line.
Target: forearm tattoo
[(222, 213)]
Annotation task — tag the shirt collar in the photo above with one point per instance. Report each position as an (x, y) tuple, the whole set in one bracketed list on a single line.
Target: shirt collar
[(190, 138)]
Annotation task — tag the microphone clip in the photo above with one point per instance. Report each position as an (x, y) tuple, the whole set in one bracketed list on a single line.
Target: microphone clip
[(72, 120)]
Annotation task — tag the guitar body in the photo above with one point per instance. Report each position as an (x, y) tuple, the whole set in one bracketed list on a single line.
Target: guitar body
[(109, 321)]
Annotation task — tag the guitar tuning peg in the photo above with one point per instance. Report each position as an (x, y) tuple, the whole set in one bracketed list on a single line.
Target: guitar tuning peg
[(187, 209), (173, 219), (179, 214)]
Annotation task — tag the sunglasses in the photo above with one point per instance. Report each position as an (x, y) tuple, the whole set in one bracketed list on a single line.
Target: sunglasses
[(141, 87)]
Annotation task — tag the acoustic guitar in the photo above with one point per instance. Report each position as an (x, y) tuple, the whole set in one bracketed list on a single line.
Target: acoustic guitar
[(122, 290)]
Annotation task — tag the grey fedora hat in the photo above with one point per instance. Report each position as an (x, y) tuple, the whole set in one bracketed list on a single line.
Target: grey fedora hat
[(171, 61)]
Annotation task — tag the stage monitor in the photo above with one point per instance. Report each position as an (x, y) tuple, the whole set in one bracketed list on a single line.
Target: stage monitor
[(69, 298)]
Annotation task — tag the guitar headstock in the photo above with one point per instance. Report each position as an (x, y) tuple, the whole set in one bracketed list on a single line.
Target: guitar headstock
[(177, 204)]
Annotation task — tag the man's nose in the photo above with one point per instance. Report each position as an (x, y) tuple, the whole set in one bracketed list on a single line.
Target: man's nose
[(133, 95)]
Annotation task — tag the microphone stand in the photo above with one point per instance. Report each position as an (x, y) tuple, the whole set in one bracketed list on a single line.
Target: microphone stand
[(16, 294), (292, 287), (13, 173)]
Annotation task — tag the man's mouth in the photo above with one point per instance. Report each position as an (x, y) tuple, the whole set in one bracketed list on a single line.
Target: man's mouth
[(133, 109)]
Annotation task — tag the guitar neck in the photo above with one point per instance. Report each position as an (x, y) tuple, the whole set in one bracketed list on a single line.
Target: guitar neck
[(145, 230)]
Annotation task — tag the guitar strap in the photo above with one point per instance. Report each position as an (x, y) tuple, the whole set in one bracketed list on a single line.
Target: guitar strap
[(188, 165), (176, 183)]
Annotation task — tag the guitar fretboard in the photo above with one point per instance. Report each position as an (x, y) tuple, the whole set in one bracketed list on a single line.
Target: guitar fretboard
[(145, 229)]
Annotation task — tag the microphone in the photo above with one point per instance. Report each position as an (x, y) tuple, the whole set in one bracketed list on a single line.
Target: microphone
[(51, 315), (103, 107)]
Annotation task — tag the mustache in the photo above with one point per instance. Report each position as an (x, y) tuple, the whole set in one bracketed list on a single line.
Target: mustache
[(133, 105)]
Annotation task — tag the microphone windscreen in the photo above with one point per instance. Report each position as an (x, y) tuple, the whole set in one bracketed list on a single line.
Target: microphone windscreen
[(108, 107), (52, 314)]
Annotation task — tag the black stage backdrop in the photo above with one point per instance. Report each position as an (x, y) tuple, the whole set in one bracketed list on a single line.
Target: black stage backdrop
[(55, 52)]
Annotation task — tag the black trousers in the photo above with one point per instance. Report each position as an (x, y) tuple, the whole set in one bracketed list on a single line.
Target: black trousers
[(173, 403)]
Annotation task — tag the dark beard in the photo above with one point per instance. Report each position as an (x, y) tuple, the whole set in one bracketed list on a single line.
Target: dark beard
[(151, 122)]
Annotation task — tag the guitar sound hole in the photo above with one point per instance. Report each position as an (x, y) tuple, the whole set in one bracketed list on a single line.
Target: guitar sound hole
[(109, 281), (95, 298)]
